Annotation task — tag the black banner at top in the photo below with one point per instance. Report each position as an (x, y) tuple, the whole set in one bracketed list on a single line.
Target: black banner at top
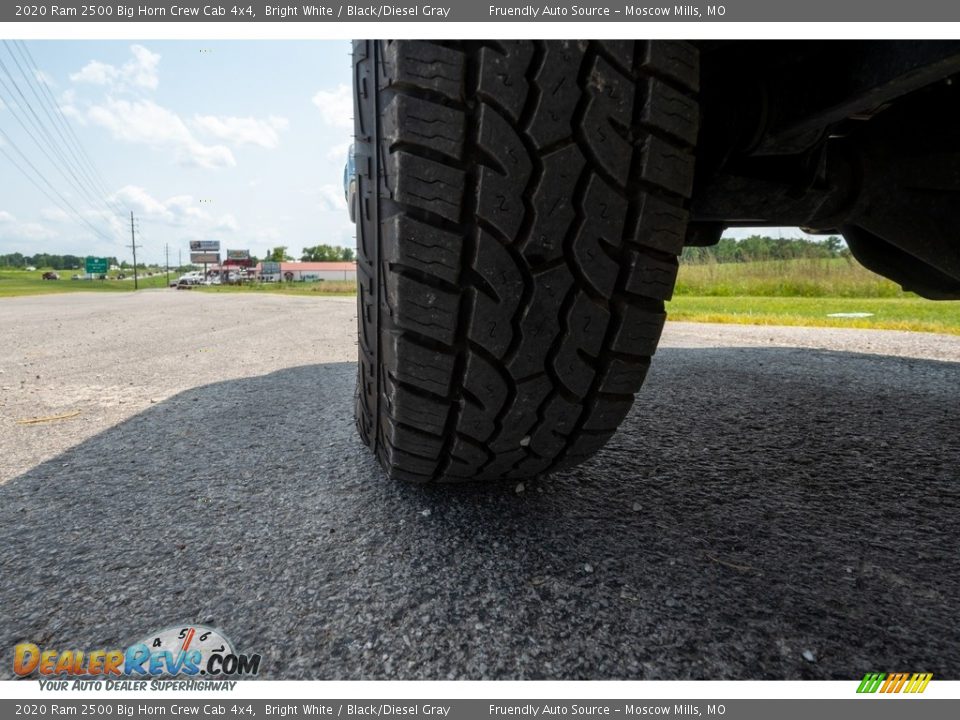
[(484, 11)]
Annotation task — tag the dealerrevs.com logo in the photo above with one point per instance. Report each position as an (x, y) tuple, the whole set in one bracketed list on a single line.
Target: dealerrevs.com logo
[(192, 651)]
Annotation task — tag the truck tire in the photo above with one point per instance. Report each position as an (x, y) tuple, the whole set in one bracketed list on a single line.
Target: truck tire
[(521, 206)]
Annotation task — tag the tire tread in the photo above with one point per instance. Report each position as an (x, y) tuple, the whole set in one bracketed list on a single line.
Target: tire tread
[(530, 201)]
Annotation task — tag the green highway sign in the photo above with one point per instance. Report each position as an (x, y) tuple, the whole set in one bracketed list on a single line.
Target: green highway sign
[(97, 266)]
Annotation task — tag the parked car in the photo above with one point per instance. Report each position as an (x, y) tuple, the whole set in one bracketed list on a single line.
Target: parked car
[(51, 276)]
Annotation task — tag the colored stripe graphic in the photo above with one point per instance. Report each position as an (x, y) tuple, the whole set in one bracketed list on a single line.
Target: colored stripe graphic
[(870, 682), (919, 682), (894, 683)]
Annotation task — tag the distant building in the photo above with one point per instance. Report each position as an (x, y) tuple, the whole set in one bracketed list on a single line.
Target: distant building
[(310, 271)]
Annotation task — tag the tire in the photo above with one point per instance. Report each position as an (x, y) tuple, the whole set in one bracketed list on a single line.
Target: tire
[(521, 206)]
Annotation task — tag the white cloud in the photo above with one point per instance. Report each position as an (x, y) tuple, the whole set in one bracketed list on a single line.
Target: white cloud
[(243, 130), (337, 228), (176, 210), (207, 156), (96, 72), (68, 105), (226, 223), (139, 72), (140, 200), (184, 205), (34, 231), (338, 153), (55, 214), (179, 211), (143, 121), (264, 235), (336, 108), (44, 78), (116, 225), (142, 70), (330, 198), (11, 229)]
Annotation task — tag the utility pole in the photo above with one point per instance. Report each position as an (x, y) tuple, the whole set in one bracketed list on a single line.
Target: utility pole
[(134, 246), (166, 253)]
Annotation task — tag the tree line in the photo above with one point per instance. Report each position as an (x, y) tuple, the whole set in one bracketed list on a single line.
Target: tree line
[(44, 260), (317, 253), (762, 247)]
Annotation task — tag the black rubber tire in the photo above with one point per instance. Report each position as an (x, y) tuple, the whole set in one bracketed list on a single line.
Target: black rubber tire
[(521, 206)]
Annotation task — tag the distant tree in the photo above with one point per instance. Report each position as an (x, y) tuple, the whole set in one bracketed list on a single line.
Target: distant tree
[(326, 253), (278, 254), (834, 244), (761, 247), (318, 253), (16, 260)]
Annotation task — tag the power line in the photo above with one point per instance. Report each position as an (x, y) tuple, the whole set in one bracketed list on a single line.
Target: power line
[(43, 106), (65, 123), (70, 175), (43, 177), (20, 111), (63, 201), (75, 182)]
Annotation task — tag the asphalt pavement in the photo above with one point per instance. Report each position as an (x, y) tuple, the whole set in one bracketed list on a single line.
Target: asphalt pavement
[(781, 503)]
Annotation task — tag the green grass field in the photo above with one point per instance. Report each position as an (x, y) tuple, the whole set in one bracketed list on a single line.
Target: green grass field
[(21, 282), (804, 292), (888, 313), (815, 277)]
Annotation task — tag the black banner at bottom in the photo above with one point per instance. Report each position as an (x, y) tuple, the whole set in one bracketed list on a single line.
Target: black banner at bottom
[(872, 707)]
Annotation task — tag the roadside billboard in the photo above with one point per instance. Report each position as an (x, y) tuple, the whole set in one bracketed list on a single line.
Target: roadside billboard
[(205, 246), (238, 255), (201, 258)]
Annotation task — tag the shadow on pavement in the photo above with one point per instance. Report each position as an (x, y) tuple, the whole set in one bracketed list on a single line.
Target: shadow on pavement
[(764, 513)]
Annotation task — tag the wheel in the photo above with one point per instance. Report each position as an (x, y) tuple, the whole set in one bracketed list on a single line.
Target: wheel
[(520, 209)]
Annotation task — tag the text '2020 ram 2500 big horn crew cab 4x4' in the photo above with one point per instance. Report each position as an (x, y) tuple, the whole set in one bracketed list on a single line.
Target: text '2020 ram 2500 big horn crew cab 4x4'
[(520, 206)]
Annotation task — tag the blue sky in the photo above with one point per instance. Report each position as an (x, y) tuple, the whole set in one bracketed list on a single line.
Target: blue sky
[(238, 141)]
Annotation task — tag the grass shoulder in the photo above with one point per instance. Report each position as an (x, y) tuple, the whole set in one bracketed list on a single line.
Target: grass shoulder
[(909, 313), (15, 283)]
